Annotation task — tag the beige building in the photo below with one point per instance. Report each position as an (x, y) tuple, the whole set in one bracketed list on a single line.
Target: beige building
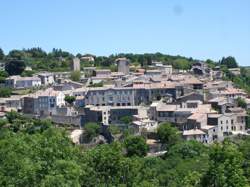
[(123, 65)]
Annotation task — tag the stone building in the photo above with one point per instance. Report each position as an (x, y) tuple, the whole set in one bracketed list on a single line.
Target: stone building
[(75, 65), (123, 65)]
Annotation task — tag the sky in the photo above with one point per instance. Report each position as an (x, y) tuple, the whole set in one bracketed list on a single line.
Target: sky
[(207, 29)]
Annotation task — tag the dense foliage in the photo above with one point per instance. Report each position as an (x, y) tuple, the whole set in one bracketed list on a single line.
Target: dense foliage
[(35, 153), (69, 99), (59, 60), (15, 67), (136, 146), (229, 62), (75, 75), (5, 92)]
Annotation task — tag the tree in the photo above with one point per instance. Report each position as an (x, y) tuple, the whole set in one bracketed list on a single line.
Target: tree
[(225, 168), (91, 130), (3, 74), (241, 102), (16, 54), (1, 54), (5, 92), (12, 115), (36, 52), (75, 76), (229, 62), (244, 148), (210, 63), (182, 64), (3, 122), (70, 99), (187, 150), (15, 67), (136, 146), (27, 73), (168, 135), (126, 119)]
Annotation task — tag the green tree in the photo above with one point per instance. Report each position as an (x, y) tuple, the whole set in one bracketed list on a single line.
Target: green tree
[(16, 54), (15, 67), (210, 63), (225, 168), (168, 135), (241, 102), (136, 146), (69, 99), (3, 74), (1, 54), (36, 52), (3, 122), (244, 147), (5, 92), (27, 73), (193, 179), (91, 130), (64, 173), (75, 76), (12, 115), (229, 62), (126, 119), (182, 64), (187, 150)]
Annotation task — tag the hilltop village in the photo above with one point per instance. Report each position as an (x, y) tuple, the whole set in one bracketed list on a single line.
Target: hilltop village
[(122, 120), (199, 101)]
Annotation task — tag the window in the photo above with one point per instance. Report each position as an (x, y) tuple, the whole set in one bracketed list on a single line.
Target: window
[(232, 121), (221, 122), (221, 128), (227, 122)]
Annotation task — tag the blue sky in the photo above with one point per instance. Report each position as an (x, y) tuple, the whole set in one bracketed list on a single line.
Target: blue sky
[(193, 28)]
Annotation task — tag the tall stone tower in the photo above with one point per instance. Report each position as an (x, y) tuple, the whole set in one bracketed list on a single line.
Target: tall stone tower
[(75, 65), (123, 65)]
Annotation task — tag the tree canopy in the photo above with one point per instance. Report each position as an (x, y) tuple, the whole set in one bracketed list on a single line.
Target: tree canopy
[(1, 54), (229, 62), (15, 67), (136, 146), (35, 153), (168, 135), (69, 99)]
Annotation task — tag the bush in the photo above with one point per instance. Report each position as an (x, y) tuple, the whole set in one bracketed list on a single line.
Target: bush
[(75, 76), (91, 130), (5, 92), (136, 146), (168, 135)]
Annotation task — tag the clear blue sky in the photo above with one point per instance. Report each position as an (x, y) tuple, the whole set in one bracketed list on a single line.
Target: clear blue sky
[(194, 28)]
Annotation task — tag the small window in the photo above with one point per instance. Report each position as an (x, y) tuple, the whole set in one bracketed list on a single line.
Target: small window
[(226, 121), (221, 122), (221, 128)]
